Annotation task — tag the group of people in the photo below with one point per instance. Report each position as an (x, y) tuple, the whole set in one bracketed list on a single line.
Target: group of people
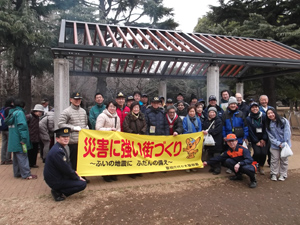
[(232, 124)]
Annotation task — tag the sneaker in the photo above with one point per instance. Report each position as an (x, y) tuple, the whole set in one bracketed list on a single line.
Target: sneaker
[(229, 171), (187, 171), (281, 178), (253, 184), (273, 177), (194, 170)]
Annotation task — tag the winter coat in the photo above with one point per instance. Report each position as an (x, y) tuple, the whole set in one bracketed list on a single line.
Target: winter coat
[(95, 111), (239, 154), (202, 117), (182, 113), (46, 125), (216, 131), (122, 113), (18, 130), (253, 124), (156, 118), (237, 119), (71, 117), (33, 126), (177, 125), (278, 135), (244, 108), (135, 125), (185, 125), (106, 121)]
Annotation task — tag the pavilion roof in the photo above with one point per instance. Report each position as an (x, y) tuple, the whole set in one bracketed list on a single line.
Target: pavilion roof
[(123, 51)]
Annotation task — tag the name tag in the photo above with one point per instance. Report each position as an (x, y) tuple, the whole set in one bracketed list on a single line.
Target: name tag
[(152, 130), (258, 130)]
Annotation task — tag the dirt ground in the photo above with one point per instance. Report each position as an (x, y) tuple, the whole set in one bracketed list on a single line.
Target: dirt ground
[(211, 201), (204, 201)]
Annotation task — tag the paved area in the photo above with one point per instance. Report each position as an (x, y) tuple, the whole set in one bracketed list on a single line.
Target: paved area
[(14, 187)]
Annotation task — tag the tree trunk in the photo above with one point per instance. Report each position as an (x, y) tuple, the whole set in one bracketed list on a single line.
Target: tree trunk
[(102, 86), (269, 90), (22, 63)]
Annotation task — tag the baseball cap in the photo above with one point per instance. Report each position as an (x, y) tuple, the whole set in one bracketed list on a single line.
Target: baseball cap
[(230, 137)]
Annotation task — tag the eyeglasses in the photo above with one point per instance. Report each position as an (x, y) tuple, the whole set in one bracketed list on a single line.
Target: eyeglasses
[(171, 112)]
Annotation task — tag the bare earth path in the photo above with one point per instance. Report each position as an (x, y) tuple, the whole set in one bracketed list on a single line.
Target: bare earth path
[(160, 198)]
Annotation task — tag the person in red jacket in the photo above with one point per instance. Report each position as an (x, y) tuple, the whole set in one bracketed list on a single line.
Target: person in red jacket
[(122, 109)]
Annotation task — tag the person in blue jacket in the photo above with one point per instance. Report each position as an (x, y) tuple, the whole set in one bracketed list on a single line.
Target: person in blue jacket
[(234, 121), (156, 120), (279, 132), (58, 172), (191, 123), (238, 159)]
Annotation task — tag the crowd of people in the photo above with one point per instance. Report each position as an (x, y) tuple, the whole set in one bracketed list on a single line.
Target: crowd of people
[(234, 125)]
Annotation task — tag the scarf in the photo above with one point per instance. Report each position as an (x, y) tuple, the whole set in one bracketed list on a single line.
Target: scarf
[(256, 118), (191, 122), (171, 122), (135, 115)]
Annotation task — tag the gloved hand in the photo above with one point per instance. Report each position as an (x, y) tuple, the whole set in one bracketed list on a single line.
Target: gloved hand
[(77, 128)]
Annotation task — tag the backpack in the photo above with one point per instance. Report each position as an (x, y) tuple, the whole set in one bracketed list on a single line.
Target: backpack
[(3, 126)]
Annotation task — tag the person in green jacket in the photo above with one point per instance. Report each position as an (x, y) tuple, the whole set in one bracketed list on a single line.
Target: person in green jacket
[(18, 141), (96, 110)]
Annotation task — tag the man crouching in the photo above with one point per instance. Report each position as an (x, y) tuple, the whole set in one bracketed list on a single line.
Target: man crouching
[(238, 159), (58, 172)]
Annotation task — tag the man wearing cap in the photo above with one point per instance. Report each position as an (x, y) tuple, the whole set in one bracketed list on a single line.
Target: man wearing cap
[(129, 101), (122, 109), (45, 104), (75, 118), (96, 110), (33, 119), (212, 102), (234, 121), (145, 99), (58, 172), (238, 159), (155, 118)]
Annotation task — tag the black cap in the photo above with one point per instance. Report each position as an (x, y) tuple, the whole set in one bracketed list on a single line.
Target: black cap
[(130, 98), (144, 96), (161, 97), (64, 132), (76, 95), (120, 95), (155, 99), (253, 104), (180, 94), (212, 97), (169, 100)]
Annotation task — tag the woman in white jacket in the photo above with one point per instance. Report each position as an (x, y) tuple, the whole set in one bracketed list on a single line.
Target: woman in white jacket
[(108, 120)]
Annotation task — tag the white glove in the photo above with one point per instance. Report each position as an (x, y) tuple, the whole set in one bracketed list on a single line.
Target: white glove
[(77, 128)]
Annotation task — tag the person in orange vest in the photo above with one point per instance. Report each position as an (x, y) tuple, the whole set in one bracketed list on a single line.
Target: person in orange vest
[(238, 159)]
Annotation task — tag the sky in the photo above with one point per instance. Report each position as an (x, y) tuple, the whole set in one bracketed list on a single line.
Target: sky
[(187, 13)]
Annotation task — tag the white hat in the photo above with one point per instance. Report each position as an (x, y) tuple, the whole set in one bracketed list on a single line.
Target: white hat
[(38, 107)]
